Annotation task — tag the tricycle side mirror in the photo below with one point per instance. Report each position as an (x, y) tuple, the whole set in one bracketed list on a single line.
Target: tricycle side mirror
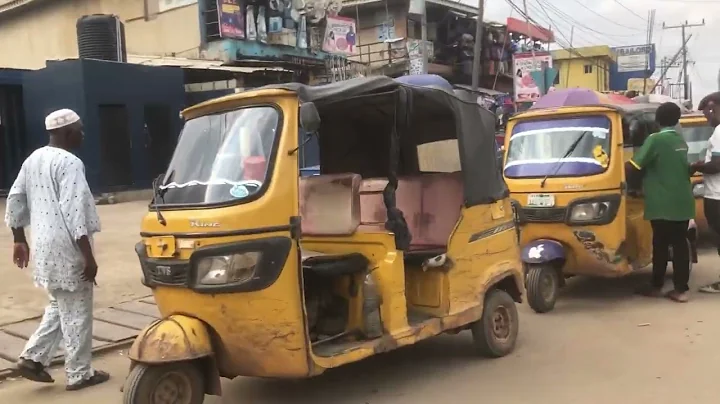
[(309, 117)]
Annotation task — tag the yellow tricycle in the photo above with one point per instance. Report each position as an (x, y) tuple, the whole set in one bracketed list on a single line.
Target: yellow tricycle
[(259, 272), (565, 168)]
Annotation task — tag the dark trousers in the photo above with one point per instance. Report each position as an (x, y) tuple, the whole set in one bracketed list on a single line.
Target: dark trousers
[(712, 215), (666, 234)]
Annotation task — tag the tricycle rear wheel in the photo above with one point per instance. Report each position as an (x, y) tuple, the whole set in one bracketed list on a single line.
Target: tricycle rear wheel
[(174, 383), (495, 334), (543, 284)]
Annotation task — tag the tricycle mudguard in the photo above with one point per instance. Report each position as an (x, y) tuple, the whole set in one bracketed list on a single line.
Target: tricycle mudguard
[(542, 251), (173, 339)]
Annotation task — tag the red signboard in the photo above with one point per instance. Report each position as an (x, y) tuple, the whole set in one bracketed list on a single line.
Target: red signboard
[(529, 30)]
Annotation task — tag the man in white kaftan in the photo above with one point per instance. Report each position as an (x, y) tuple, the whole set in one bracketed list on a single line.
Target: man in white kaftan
[(51, 196)]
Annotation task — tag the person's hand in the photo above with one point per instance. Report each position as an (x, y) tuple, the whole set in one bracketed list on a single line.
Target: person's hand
[(21, 255), (90, 271)]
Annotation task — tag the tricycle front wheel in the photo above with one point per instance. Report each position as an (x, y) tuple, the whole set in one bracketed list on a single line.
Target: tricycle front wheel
[(543, 284), (175, 383), (495, 334)]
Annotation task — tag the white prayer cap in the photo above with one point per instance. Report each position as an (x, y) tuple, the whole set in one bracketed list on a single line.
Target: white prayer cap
[(60, 119)]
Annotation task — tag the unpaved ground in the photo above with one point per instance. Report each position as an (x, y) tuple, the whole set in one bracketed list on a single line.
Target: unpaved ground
[(601, 345), (118, 276)]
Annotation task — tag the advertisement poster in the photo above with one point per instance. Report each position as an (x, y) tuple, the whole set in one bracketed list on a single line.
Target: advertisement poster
[(232, 23), (415, 55), (633, 58), (523, 64), (167, 5), (340, 36)]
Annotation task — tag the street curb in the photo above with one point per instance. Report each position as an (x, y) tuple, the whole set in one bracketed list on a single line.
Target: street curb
[(8, 373)]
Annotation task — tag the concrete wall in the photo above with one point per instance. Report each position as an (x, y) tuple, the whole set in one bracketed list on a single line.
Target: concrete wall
[(572, 74), (47, 31)]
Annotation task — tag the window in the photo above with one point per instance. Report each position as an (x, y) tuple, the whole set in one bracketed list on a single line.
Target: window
[(588, 69)]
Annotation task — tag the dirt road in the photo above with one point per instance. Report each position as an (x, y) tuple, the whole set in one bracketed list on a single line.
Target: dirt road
[(118, 276), (600, 345)]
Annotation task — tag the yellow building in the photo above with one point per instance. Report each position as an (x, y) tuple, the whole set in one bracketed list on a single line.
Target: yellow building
[(33, 31), (587, 67)]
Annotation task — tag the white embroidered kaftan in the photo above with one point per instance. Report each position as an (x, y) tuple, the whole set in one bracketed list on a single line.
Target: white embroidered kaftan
[(51, 195)]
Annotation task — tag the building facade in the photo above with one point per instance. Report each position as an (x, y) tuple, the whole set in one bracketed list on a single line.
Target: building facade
[(47, 28), (587, 67)]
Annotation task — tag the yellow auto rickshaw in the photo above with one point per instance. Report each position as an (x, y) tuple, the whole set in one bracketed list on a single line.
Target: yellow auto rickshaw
[(697, 131), (259, 272), (565, 168)]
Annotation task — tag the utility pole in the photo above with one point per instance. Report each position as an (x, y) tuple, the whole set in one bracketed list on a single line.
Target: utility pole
[(670, 64), (686, 81), (476, 70)]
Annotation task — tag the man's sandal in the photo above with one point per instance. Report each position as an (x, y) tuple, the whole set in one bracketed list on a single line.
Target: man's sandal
[(99, 377)]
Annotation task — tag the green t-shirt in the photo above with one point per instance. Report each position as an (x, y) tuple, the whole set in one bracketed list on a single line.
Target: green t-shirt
[(666, 179)]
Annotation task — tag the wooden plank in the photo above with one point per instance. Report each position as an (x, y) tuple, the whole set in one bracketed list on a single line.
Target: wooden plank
[(23, 329), (123, 318), (6, 364), (139, 307), (112, 333), (10, 346)]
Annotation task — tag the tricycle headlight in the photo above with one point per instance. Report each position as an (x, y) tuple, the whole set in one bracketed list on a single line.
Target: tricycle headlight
[(588, 212), (227, 269), (699, 190)]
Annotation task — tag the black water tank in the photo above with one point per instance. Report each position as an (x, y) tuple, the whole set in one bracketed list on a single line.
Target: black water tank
[(101, 36)]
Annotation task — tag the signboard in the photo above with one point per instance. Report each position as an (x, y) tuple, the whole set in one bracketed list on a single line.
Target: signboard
[(340, 36), (415, 55), (633, 58), (232, 22), (526, 90), (639, 85), (167, 5)]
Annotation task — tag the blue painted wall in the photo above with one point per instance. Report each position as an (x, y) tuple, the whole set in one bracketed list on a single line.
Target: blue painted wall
[(83, 85), (618, 80)]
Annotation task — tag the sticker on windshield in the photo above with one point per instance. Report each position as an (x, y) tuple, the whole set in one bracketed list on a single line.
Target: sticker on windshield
[(600, 156), (239, 191), (600, 134)]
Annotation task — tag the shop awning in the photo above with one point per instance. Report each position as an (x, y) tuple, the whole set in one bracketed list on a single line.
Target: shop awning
[(534, 31), (187, 63)]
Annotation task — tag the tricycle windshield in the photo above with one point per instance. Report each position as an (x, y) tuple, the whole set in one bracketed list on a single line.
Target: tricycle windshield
[(696, 136), (221, 158), (564, 147)]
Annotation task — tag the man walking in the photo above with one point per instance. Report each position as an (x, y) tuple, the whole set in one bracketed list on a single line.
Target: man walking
[(51, 195), (710, 168), (669, 201)]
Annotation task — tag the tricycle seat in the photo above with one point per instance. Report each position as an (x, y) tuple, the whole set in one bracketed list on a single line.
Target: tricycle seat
[(322, 264)]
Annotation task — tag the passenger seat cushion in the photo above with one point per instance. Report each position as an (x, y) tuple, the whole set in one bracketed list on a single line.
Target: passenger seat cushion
[(442, 201), (330, 204)]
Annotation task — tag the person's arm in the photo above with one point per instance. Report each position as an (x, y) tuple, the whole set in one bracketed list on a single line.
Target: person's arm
[(75, 197), (644, 156), (17, 212), (712, 166)]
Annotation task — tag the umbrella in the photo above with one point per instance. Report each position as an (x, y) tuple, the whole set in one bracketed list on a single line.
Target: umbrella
[(575, 97)]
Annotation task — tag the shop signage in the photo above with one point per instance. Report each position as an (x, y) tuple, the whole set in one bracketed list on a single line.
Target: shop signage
[(340, 36), (526, 90), (633, 58), (231, 17), (167, 5)]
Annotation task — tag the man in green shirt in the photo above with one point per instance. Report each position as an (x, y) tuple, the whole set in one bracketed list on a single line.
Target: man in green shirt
[(669, 202)]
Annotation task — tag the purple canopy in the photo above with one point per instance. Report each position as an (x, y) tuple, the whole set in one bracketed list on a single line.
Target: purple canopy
[(574, 97)]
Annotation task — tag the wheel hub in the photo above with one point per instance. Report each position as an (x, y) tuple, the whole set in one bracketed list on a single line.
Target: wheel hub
[(173, 388), (501, 320)]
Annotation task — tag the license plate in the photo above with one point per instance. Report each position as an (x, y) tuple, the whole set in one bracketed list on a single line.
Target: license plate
[(541, 200)]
